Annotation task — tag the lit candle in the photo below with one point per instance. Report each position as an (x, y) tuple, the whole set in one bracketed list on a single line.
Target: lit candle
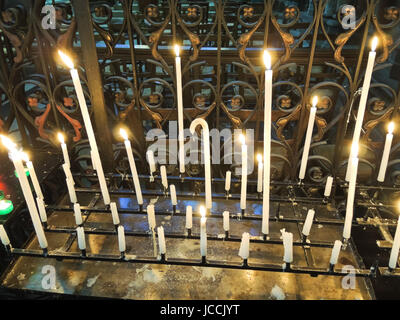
[(114, 213), (386, 152), (307, 142), (328, 186), (81, 238), (132, 165), (161, 240), (180, 110), (308, 223), (228, 181), (3, 236), (207, 157), (394, 254), (189, 220), (32, 174), (42, 209), (243, 193), (363, 100), (78, 214), (351, 193), (172, 190), (164, 179), (121, 239), (260, 173), (203, 232), (152, 163), (88, 124), (267, 141), (244, 246), (15, 157), (335, 252), (151, 217), (225, 215), (288, 246), (64, 148)]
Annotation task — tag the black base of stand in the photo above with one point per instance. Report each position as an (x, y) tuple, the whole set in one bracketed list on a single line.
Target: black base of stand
[(265, 237), (226, 234), (162, 257), (331, 267), (287, 266), (140, 208), (245, 264), (226, 194), (44, 224), (243, 212), (45, 251), (189, 232), (203, 260), (174, 209), (123, 255), (83, 253)]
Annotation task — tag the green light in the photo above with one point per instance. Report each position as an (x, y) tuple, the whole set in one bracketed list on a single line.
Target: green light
[(6, 206), (26, 172)]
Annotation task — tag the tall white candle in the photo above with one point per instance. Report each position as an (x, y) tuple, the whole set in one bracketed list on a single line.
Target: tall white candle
[(164, 179), (308, 223), (151, 217), (328, 186), (245, 246), (42, 209), (363, 100), (225, 215), (207, 156), (335, 252), (3, 236), (228, 181), (307, 141), (150, 159), (81, 238), (88, 125), (64, 148), (161, 240), (351, 194), (32, 174), (288, 246), (114, 213), (267, 141), (121, 239), (132, 165), (203, 232), (180, 110), (260, 173), (243, 193), (394, 254), (78, 214), (172, 190), (189, 219), (71, 191), (386, 152), (68, 173)]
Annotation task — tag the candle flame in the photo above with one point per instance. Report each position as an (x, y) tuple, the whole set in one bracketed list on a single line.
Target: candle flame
[(259, 158), (203, 211), (60, 137), (314, 101), (391, 127), (242, 139), (8, 143), (354, 149), (267, 59), (374, 43), (67, 60), (177, 49), (123, 134)]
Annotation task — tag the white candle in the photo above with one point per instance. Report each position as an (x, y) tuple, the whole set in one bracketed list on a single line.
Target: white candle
[(189, 219), (164, 179), (172, 190), (207, 156), (350, 194), (150, 159), (225, 215), (71, 191), (308, 223), (228, 181), (307, 141), (203, 232), (180, 110), (42, 209), (77, 214), (151, 217), (335, 252), (94, 161), (81, 238), (260, 173), (68, 174), (288, 246), (267, 141), (386, 152), (88, 124), (328, 186), (132, 165), (245, 246), (114, 213), (3, 236), (161, 240), (32, 174), (394, 254), (363, 100), (243, 193), (15, 157), (64, 148), (121, 239)]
